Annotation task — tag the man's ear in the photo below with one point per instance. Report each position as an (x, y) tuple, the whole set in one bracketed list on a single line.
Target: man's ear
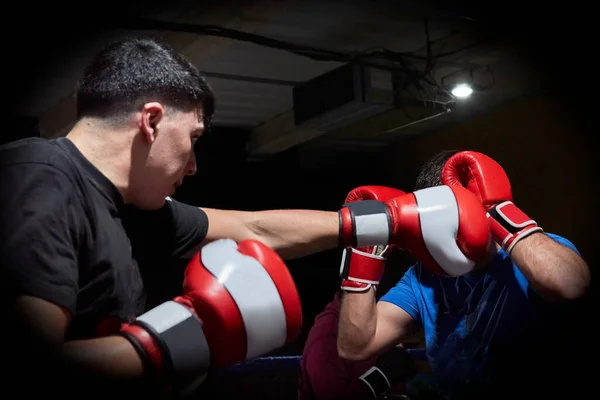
[(152, 114)]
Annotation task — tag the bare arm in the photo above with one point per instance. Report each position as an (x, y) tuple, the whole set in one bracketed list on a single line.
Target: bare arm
[(111, 358), (554, 271), (291, 233), (368, 328)]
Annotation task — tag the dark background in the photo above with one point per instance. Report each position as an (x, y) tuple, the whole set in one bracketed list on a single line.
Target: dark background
[(547, 142)]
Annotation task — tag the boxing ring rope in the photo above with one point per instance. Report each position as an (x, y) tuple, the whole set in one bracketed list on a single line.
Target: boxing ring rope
[(286, 363), (264, 378)]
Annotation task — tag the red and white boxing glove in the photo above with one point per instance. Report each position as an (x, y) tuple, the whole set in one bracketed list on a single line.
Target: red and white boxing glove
[(363, 267), (488, 181), (444, 227), (238, 302)]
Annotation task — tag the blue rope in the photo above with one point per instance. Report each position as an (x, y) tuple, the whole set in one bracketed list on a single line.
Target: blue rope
[(292, 362), (267, 363)]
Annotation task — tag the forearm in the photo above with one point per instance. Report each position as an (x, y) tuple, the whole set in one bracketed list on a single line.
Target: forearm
[(357, 324), (112, 358), (37, 335), (109, 366), (296, 233), (554, 271)]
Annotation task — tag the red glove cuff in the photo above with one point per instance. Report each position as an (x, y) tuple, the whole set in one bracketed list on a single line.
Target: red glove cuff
[(148, 349), (170, 341), (509, 224), (361, 270)]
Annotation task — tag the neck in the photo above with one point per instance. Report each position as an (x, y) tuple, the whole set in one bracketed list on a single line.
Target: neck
[(107, 148)]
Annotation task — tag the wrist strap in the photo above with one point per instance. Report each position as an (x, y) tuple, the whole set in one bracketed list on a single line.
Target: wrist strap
[(364, 223), (176, 334), (376, 381), (360, 270), (511, 225)]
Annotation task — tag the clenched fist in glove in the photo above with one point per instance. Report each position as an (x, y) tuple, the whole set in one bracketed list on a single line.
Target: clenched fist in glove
[(444, 227), (487, 180), (363, 267), (392, 368), (238, 302)]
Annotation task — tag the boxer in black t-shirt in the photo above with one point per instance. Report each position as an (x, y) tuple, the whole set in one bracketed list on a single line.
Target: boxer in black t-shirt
[(71, 238), (86, 220)]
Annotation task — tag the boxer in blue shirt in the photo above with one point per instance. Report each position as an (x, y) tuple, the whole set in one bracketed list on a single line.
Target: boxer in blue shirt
[(487, 329)]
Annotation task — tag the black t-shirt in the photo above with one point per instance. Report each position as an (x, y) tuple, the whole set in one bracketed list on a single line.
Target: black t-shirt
[(67, 237)]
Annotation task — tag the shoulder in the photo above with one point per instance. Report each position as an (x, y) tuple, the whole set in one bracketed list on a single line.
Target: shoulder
[(417, 282), (33, 149), (174, 206), (405, 286), (417, 274), (28, 157), (171, 211), (36, 186), (176, 227)]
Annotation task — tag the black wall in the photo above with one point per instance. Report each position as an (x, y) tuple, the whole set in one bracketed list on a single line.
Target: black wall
[(19, 127)]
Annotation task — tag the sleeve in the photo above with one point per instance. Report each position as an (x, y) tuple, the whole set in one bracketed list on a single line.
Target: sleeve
[(403, 295), (190, 226), (328, 376), (174, 229), (39, 234)]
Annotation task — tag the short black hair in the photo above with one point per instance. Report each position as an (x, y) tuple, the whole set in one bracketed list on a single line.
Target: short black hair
[(431, 171), (130, 72)]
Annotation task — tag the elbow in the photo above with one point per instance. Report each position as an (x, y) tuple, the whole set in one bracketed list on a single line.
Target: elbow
[(575, 290), (351, 353), (578, 286), (572, 289)]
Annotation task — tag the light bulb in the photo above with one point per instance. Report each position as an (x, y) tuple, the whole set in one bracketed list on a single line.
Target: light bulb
[(461, 91)]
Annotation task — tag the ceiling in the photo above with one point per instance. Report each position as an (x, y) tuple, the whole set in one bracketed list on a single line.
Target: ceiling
[(254, 82)]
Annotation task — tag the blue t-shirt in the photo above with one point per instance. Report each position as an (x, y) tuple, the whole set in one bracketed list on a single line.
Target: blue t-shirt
[(475, 322)]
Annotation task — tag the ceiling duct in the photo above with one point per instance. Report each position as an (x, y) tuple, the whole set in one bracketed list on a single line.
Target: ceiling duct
[(342, 97)]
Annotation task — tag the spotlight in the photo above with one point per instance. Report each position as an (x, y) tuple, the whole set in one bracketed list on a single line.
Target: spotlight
[(462, 90)]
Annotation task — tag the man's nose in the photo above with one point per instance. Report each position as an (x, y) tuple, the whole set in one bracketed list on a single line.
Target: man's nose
[(192, 166)]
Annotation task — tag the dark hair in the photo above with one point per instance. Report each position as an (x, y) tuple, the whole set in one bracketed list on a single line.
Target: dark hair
[(431, 171), (128, 73)]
